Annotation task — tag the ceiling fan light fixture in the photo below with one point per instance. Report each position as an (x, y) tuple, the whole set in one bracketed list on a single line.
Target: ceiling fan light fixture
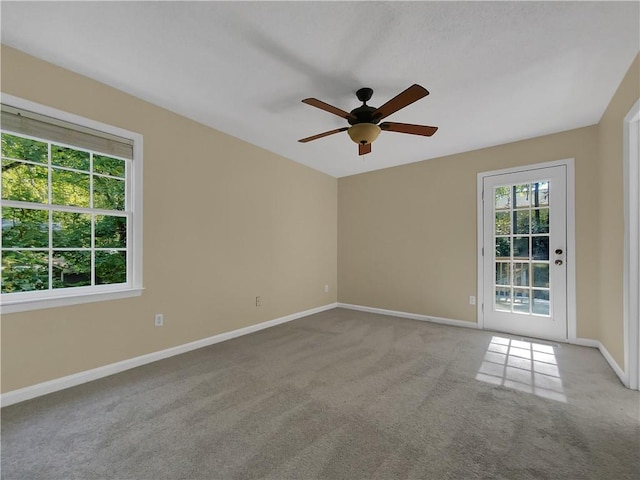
[(364, 133)]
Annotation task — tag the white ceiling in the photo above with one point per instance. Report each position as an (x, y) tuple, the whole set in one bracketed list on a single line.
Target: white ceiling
[(497, 71)]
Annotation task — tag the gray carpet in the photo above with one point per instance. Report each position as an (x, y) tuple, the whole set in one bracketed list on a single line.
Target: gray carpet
[(339, 395)]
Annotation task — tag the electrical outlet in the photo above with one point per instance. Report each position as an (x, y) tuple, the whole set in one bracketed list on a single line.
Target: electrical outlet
[(326, 288), (159, 320), (258, 301), (472, 300)]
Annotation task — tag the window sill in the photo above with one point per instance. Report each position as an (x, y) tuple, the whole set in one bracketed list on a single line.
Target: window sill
[(25, 305)]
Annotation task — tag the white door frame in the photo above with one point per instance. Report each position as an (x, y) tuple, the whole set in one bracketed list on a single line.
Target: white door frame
[(631, 274), (569, 163)]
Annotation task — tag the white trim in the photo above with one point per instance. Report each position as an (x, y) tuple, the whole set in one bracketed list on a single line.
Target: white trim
[(480, 252), (62, 383), (569, 164), (631, 269), (136, 184), (613, 364), (412, 316), (134, 286), (585, 342), (589, 342), (572, 315), (75, 299)]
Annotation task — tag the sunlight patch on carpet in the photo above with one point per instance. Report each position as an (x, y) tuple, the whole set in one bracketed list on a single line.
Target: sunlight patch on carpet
[(521, 365)]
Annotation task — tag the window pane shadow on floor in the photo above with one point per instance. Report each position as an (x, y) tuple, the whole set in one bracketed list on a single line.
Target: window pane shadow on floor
[(523, 365)]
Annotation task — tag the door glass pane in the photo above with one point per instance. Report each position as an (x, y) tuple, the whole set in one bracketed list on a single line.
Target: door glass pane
[(503, 223), (540, 220), (541, 275), (503, 273), (521, 248), (503, 248), (521, 222), (541, 302), (540, 194), (540, 247), (503, 299), (522, 195), (521, 274), (502, 198), (521, 300)]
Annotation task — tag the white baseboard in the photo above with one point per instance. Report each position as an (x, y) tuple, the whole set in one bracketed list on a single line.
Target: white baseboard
[(585, 342), (26, 393), (413, 316), (624, 378), (33, 391), (588, 342)]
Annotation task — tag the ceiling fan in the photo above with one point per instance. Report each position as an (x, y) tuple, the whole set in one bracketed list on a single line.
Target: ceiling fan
[(364, 120)]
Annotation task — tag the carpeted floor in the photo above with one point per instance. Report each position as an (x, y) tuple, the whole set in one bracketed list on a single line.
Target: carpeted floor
[(339, 395)]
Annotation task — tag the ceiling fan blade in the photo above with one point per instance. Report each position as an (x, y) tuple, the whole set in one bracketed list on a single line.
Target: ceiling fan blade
[(408, 128), (413, 93), (364, 149), (314, 102), (325, 134)]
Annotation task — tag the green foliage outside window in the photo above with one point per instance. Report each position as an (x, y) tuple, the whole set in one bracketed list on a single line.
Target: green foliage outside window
[(69, 243)]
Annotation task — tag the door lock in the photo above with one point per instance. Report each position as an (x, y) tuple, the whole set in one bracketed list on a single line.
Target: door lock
[(558, 262), (558, 251)]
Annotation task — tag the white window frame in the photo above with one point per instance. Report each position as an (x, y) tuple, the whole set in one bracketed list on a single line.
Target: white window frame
[(25, 301)]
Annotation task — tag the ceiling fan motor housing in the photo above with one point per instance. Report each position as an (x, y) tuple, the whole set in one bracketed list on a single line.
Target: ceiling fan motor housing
[(363, 128), (364, 113)]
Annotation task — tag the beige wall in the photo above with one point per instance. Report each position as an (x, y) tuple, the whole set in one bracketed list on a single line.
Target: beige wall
[(224, 222), (611, 212), (407, 235)]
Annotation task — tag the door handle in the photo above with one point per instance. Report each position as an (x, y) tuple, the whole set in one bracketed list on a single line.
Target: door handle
[(558, 262)]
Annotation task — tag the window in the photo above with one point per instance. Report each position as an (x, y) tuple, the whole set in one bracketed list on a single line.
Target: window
[(70, 208)]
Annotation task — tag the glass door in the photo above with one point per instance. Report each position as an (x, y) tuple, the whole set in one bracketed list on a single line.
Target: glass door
[(524, 253)]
